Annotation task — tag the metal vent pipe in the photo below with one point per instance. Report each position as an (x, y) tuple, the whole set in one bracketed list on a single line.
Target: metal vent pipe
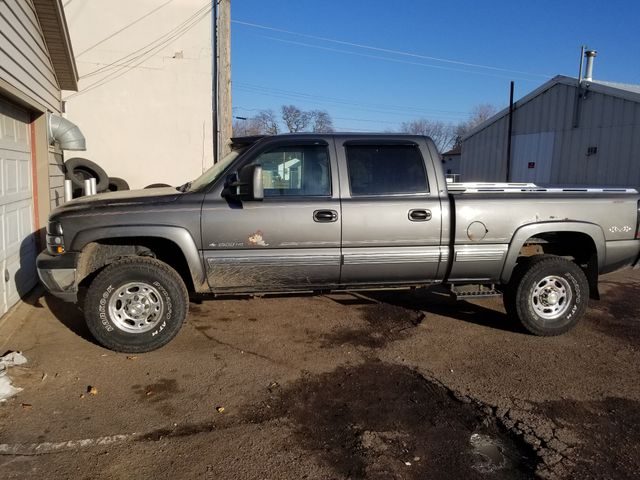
[(66, 133), (590, 54)]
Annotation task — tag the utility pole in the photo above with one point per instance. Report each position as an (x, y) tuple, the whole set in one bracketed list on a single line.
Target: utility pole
[(222, 77)]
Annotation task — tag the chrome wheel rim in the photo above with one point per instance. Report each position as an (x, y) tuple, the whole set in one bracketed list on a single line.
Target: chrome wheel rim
[(136, 307), (551, 297)]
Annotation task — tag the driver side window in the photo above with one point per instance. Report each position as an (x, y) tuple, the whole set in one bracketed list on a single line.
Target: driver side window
[(301, 170)]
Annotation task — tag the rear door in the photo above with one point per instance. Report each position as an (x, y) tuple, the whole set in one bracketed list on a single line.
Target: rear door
[(291, 239), (391, 212)]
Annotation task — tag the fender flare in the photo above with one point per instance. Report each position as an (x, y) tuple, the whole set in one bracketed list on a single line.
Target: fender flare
[(178, 235), (523, 233)]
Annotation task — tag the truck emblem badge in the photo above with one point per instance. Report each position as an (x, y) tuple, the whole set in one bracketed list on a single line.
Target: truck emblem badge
[(255, 239), (616, 229)]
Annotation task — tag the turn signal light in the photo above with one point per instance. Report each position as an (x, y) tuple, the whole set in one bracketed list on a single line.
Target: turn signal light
[(59, 249)]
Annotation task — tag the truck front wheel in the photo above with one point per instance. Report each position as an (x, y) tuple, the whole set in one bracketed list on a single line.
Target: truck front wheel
[(135, 305), (548, 294)]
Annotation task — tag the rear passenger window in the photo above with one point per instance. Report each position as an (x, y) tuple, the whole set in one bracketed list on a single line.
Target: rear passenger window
[(386, 170)]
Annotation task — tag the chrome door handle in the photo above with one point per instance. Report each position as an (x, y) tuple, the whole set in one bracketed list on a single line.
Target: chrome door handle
[(325, 216), (419, 215)]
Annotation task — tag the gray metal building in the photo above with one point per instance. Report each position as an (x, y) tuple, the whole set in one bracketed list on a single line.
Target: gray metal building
[(564, 132)]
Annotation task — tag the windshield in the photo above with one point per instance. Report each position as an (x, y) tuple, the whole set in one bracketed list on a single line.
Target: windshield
[(212, 174)]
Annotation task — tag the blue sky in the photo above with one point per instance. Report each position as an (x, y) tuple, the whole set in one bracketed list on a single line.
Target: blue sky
[(319, 66)]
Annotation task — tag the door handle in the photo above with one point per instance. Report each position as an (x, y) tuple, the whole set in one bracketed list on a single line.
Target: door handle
[(325, 216), (419, 215)]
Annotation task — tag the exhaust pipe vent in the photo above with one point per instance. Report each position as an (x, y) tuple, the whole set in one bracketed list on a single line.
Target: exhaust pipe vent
[(590, 54), (65, 133)]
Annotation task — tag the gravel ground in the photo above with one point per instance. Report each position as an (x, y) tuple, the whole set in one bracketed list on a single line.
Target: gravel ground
[(385, 385)]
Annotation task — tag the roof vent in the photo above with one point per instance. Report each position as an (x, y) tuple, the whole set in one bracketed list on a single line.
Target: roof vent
[(590, 54)]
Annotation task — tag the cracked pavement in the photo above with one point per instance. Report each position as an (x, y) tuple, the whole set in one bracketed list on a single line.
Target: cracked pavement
[(380, 385)]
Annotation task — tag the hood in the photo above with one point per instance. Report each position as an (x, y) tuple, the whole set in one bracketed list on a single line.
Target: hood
[(146, 196)]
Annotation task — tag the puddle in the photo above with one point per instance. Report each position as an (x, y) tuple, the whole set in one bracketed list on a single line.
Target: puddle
[(488, 452), (378, 421)]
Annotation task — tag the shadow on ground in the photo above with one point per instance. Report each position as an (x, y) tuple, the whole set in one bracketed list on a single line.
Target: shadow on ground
[(70, 315), (437, 301), (617, 313)]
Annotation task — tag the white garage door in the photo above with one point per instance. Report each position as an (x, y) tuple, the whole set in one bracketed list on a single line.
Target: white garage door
[(17, 246)]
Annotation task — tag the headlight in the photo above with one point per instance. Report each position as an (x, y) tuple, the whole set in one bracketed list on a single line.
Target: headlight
[(55, 240), (54, 228)]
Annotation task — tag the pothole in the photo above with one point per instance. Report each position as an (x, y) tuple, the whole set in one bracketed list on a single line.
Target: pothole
[(378, 420)]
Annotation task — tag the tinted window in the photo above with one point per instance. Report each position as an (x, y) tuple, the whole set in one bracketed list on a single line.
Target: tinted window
[(295, 171), (386, 170)]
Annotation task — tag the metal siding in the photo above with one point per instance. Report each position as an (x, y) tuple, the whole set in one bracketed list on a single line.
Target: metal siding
[(609, 123), (56, 179), (24, 61), (634, 170)]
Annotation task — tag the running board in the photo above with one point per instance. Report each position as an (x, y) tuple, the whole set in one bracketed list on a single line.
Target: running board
[(474, 291)]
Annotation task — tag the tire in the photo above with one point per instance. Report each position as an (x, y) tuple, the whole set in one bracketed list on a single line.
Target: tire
[(548, 294), (120, 304), (157, 185), (80, 169), (117, 184)]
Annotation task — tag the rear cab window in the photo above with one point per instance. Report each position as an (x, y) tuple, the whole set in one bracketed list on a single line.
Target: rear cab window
[(376, 170)]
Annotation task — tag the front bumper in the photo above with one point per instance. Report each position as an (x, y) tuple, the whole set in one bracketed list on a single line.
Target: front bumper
[(58, 274)]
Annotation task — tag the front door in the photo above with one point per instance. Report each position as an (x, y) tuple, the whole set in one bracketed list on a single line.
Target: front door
[(289, 240)]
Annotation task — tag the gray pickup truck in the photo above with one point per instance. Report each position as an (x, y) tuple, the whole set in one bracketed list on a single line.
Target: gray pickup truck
[(323, 212)]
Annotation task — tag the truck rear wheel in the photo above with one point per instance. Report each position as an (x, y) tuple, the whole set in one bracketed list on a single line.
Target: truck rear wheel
[(548, 294), (135, 305)]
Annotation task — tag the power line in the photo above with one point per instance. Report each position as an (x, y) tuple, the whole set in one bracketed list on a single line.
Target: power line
[(206, 8), (123, 28), (144, 56), (385, 50), (395, 60), (338, 99), (321, 101)]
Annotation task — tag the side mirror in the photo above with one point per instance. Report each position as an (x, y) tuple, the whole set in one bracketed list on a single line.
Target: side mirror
[(246, 184)]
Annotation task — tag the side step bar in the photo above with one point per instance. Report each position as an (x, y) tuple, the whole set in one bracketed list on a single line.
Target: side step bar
[(460, 292)]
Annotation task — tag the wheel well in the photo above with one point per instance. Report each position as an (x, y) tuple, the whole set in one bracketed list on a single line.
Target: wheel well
[(97, 255), (578, 247)]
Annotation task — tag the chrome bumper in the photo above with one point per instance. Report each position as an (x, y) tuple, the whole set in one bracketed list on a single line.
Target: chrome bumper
[(58, 274)]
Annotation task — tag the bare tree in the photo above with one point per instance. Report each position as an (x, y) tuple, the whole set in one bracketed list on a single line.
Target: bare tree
[(295, 119), (267, 122), (479, 113), (322, 122), (443, 134), (264, 123)]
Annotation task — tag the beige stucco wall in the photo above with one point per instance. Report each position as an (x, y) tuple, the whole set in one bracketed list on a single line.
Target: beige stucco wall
[(146, 120)]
